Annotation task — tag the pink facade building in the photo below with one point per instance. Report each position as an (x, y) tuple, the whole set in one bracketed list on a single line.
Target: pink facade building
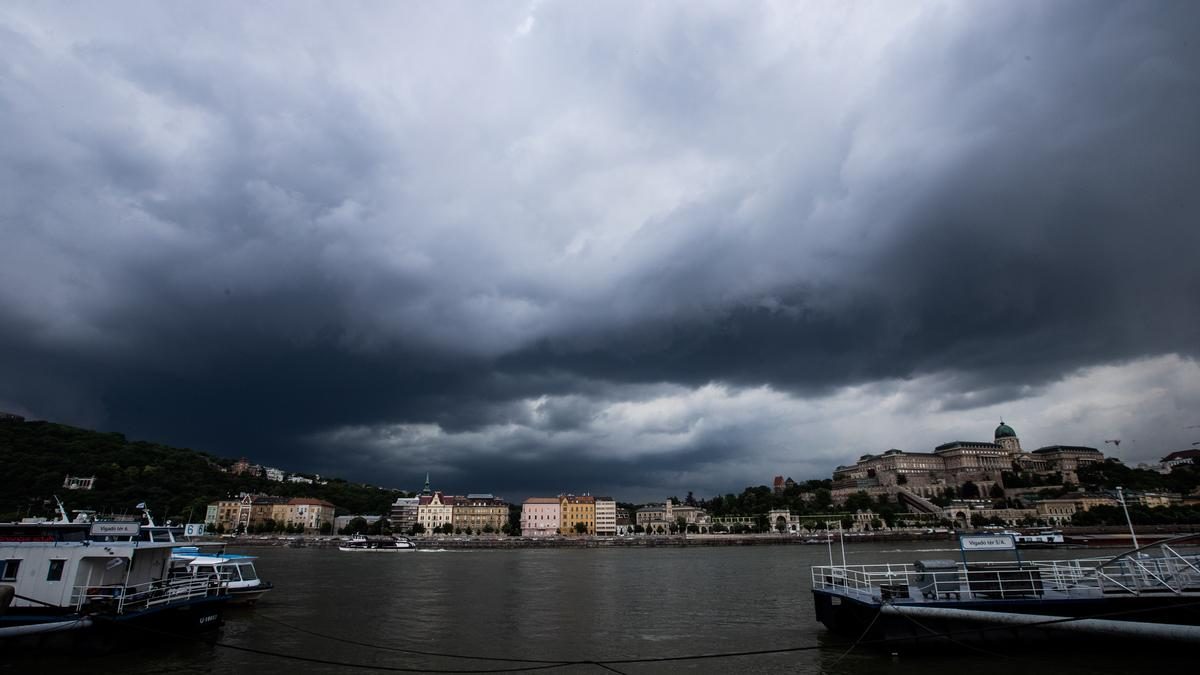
[(540, 517)]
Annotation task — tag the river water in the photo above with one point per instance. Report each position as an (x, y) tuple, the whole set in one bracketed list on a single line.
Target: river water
[(558, 604)]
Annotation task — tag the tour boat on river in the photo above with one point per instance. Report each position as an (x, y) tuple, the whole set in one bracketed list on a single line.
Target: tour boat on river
[(377, 544), (61, 580), (1040, 538), (1132, 596)]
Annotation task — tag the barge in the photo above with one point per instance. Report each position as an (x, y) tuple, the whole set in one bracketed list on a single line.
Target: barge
[(1149, 593)]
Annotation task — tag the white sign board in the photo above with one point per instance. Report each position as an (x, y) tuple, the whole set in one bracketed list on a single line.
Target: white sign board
[(116, 529), (193, 530), (987, 542)]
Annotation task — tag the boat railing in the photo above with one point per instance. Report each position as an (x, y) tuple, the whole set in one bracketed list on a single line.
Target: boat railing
[(122, 599), (1169, 573)]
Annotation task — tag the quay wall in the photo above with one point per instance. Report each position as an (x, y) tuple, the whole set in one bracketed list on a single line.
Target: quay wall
[(674, 541), (503, 542)]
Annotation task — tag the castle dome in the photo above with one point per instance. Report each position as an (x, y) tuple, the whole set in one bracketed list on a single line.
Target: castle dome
[(1005, 431)]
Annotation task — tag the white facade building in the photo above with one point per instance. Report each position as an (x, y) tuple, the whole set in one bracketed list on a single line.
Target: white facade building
[(606, 517), (435, 510)]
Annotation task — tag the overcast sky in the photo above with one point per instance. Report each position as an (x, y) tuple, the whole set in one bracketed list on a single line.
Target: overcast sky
[(630, 249)]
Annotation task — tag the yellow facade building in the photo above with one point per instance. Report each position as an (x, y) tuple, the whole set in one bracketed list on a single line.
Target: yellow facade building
[(575, 510)]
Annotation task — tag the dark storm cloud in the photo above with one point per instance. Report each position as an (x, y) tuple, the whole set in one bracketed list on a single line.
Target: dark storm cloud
[(1057, 239), (248, 233)]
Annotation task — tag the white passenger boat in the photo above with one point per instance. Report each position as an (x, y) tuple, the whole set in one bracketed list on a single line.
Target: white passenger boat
[(73, 578), (377, 544), (1040, 538), (237, 572)]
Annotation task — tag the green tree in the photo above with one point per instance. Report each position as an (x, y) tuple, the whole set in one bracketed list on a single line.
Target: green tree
[(580, 528), (822, 499), (859, 501)]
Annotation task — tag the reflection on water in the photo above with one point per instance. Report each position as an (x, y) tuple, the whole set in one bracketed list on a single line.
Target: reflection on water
[(555, 605)]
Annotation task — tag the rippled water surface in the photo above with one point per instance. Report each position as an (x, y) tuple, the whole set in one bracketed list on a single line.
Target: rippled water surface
[(556, 605)]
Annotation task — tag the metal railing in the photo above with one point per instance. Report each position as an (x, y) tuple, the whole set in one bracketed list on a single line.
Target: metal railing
[(122, 599), (1170, 573)]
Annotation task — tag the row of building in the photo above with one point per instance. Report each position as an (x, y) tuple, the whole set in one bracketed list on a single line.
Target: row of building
[(436, 512), (248, 512), (565, 514), (244, 467)]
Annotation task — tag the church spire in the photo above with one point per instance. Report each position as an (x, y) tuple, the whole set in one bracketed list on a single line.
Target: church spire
[(426, 490)]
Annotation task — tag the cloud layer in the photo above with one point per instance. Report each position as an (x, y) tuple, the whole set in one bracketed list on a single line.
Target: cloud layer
[(622, 247)]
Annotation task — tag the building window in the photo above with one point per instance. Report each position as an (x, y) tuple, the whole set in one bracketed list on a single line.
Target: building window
[(8, 570), (56, 570)]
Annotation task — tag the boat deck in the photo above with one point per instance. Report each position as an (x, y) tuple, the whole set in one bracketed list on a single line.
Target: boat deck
[(939, 581)]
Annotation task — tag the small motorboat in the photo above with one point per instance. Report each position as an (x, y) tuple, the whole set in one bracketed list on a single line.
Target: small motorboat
[(237, 572)]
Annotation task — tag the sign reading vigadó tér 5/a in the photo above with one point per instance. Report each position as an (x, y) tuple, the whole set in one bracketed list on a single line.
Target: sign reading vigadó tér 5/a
[(987, 542)]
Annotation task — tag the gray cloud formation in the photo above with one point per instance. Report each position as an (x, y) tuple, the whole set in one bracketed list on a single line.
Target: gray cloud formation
[(289, 234)]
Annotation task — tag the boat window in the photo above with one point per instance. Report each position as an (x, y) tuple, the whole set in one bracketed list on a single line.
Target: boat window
[(248, 573), (232, 571), (8, 570), (56, 570)]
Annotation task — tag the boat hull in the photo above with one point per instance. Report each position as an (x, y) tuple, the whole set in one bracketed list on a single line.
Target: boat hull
[(855, 619), (37, 629), (249, 595), (361, 549)]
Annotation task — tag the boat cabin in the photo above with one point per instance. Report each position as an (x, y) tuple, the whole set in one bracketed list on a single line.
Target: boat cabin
[(70, 565)]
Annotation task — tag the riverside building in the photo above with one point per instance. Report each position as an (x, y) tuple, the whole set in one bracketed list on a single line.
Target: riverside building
[(435, 510), (404, 514), (540, 516), (478, 512), (576, 510), (606, 517)]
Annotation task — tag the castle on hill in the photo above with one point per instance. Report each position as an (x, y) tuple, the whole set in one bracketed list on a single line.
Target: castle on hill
[(950, 465)]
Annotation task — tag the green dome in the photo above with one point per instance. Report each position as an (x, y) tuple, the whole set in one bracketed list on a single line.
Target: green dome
[(1005, 431)]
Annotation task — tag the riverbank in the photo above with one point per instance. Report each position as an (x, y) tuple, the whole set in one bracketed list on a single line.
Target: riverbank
[(635, 541), (1086, 536)]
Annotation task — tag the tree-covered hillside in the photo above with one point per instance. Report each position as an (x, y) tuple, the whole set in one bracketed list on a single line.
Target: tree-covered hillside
[(176, 483)]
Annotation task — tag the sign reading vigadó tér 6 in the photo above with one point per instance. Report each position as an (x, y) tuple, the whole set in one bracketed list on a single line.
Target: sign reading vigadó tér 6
[(987, 542), (116, 528)]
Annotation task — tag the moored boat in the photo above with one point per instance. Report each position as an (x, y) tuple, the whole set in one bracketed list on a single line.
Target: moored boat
[(236, 571), (75, 579), (1133, 596)]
